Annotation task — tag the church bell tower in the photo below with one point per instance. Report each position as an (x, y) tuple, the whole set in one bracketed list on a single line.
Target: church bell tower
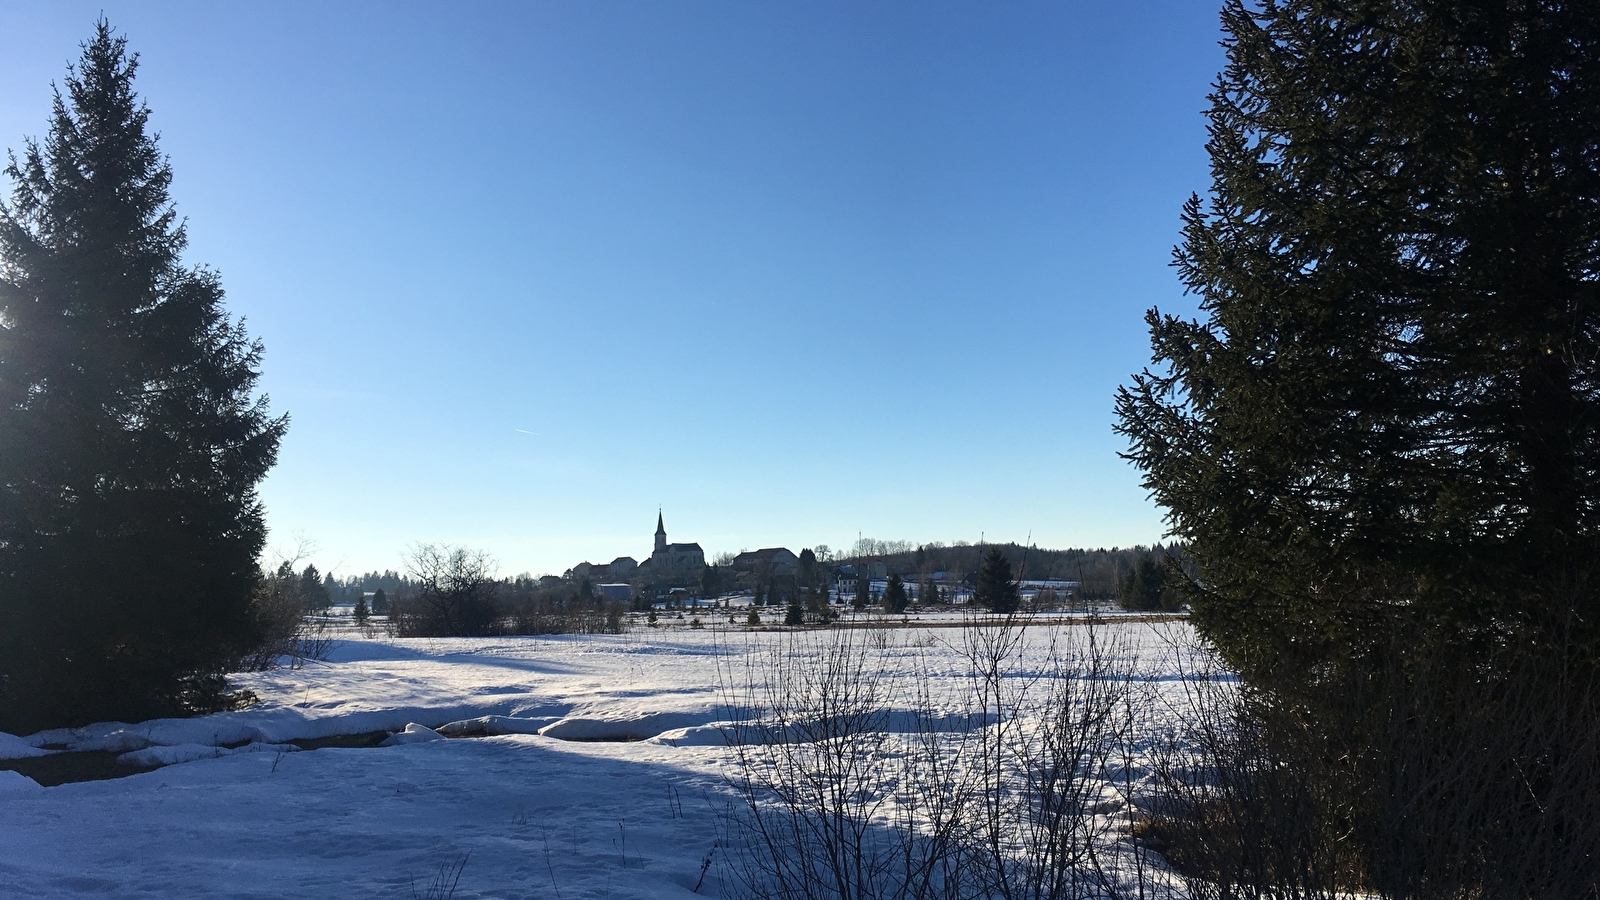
[(661, 533)]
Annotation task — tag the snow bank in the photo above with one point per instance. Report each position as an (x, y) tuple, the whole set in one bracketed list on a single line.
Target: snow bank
[(13, 747), (267, 726), (621, 727), (490, 726), (16, 782), (716, 735), (120, 737), (413, 734), (182, 753)]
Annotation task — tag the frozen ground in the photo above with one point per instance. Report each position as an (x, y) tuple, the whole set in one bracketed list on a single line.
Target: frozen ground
[(617, 796)]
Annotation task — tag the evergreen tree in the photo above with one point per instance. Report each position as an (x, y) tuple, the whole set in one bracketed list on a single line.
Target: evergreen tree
[(793, 614), (380, 603), (811, 584), (1381, 443), (130, 441), (895, 601), (1392, 408), (863, 586), (314, 590), (360, 611), (1145, 588), (710, 581), (996, 590)]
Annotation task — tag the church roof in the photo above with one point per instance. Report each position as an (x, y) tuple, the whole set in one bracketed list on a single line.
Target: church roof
[(682, 547)]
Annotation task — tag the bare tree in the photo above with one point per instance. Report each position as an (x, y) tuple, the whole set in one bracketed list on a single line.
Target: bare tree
[(457, 594)]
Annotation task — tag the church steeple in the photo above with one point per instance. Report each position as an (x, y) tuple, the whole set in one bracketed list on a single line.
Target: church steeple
[(661, 533)]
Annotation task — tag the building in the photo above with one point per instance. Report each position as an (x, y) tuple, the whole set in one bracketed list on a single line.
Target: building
[(776, 560), (680, 558)]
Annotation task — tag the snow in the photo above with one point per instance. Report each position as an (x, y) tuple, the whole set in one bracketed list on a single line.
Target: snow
[(13, 782), (486, 726), (413, 734), (182, 753), (13, 747), (596, 768)]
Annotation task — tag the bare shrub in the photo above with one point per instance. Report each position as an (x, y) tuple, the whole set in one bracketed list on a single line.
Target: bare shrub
[(457, 594), (856, 782), (1234, 809), (284, 631), (1058, 726), (834, 804), (566, 616)]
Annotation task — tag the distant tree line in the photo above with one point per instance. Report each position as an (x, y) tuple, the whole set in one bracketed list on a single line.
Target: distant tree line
[(1102, 574)]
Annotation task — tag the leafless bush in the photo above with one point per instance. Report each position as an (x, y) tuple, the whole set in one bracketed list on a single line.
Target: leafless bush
[(1045, 764), (834, 804), (856, 783), (457, 594), (537, 616), (1233, 809), (284, 632)]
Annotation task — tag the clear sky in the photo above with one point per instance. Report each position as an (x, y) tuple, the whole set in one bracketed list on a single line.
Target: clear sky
[(792, 272)]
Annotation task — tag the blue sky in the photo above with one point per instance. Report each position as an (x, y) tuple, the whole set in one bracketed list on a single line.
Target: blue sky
[(793, 272)]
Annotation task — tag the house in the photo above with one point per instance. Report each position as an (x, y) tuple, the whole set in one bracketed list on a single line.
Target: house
[(776, 560), (870, 569)]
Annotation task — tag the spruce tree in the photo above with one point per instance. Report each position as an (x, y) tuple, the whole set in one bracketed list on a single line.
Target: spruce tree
[(1145, 587), (996, 591), (1391, 410), (1381, 440), (314, 590), (131, 442), (894, 596)]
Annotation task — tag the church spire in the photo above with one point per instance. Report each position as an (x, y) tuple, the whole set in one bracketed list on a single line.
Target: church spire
[(661, 532)]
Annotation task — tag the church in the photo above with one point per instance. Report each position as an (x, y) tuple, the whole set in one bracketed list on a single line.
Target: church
[(675, 558)]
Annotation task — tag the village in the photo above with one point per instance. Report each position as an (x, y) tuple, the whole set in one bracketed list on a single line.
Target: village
[(677, 575)]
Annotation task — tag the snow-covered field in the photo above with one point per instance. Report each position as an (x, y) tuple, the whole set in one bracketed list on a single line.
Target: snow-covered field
[(618, 793)]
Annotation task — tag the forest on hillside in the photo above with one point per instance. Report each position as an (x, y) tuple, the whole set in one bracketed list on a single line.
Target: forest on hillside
[(1100, 572)]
